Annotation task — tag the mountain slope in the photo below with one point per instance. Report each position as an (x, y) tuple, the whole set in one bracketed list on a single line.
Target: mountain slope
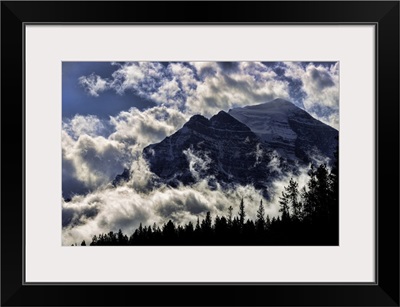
[(289, 130), (220, 149), (240, 147)]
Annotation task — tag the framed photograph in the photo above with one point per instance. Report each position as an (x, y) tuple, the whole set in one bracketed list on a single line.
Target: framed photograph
[(241, 153)]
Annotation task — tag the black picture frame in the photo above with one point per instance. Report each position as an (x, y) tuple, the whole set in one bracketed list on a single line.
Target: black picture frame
[(383, 14)]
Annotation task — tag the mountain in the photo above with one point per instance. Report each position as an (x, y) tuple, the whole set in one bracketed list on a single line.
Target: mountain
[(250, 145), (290, 131), (221, 148)]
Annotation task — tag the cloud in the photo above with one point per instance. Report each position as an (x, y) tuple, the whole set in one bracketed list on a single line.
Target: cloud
[(198, 163), (195, 88), (140, 77), (109, 209), (208, 87), (321, 87), (95, 150), (142, 128), (91, 160), (140, 201), (93, 84), (246, 83), (79, 125)]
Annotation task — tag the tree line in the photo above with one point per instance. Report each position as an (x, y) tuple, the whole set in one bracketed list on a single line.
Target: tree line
[(309, 216)]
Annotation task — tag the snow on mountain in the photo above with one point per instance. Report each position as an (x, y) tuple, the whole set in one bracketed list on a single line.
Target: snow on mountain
[(250, 145), (289, 130)]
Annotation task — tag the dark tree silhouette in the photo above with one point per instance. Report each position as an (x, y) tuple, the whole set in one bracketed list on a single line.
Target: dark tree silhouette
[(267, 223), (230, 216), (309, 217), (293, 197), (206, 225), (284, 206), (242, 213), (260, 222)]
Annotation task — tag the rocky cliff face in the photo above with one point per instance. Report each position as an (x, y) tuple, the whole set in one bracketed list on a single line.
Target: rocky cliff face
[(221, 149), (249, 145)]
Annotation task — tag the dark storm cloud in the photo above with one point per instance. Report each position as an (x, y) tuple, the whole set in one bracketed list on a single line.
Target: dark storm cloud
[(72, 217), (321, 78), (229, 67), (206, 71), (177, 204)]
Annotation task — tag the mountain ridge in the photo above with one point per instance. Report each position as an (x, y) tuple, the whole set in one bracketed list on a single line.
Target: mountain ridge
[(288, 129), (253, 145), (220, 149)]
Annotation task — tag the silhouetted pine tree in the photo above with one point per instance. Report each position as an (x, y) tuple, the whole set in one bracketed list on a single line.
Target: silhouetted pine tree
[(169, 231), (242, 213), (293, 194), (308, 217), (189, 228), (334, 180), (221, 227), (324, 191), (284, 206), (267, 223), (236, 227), (94, 240), (230, 216), (206, 225), (121, 238), (309, 195), (260, 222)]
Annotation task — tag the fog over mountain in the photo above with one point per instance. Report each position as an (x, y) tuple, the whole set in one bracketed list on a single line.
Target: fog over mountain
[(148, 142), (207, 165), (222, 149), (250, 145)]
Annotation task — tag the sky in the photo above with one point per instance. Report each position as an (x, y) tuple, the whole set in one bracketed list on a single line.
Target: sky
[(106, 88), (111, 111)]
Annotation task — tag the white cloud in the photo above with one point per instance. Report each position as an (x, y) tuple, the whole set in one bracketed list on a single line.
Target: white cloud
[(248, 83), (94, 84), (198, 162), (93, 155), (109, 209), (135, 127), (197, 88), (208, 87), (91, 160), (141, 77), (79, 125), (321, 85)]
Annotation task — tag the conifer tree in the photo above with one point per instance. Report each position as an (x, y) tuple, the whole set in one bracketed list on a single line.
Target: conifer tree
[(267, 222), (206, 224), (198, 225), (334, 180), (230, 216), (293, 198), (189, 228), (260, 217), (284, 206), (242, 213), (94, 240)]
